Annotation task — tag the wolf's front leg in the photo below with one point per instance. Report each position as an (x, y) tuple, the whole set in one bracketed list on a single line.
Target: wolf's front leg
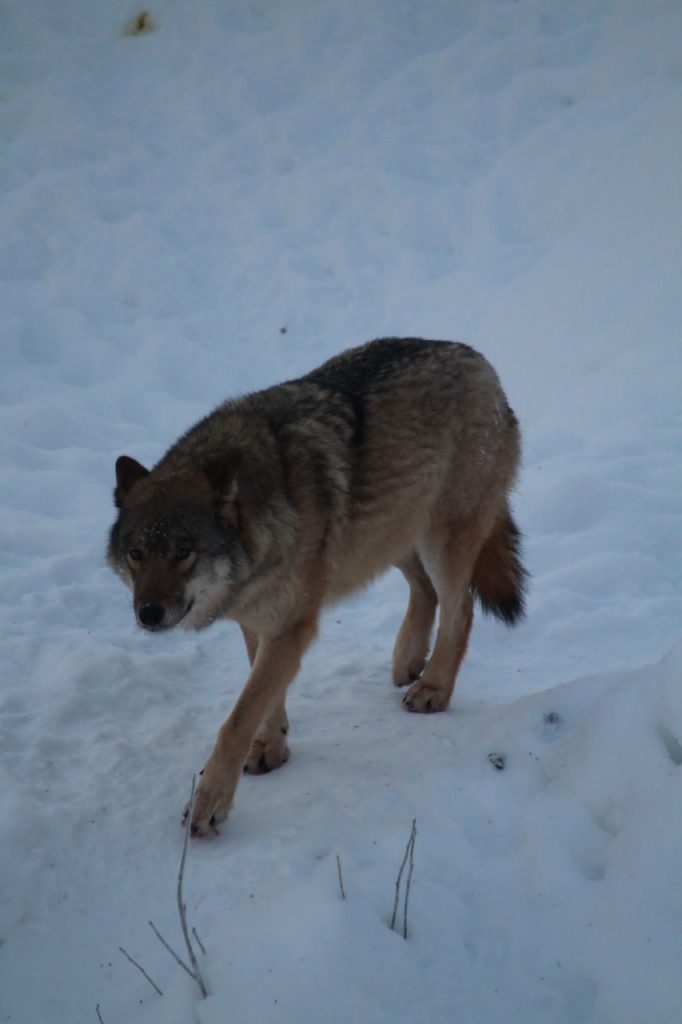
[(276, 663)]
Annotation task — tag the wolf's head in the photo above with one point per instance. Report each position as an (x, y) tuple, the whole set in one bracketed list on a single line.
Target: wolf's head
[(171, 545)]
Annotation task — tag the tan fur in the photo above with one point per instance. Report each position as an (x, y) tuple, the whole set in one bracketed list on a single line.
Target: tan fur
[(401, 452)]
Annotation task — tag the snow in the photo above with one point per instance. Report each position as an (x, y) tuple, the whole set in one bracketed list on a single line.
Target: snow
[(220, 204)]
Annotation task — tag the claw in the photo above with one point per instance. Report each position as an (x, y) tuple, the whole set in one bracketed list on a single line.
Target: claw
[(196, 833)]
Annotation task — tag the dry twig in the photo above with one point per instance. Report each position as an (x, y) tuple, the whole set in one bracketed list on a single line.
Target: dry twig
[(199, 942), (170, 949), (193, 971), (409, 853), (181, 903), (338, 865), (413, 837), (135, 964)]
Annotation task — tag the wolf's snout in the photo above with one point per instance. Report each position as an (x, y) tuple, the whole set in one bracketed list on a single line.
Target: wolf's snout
[(151, 615)]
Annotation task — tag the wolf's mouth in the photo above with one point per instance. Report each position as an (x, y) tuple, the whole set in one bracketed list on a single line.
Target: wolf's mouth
[(186, 612)]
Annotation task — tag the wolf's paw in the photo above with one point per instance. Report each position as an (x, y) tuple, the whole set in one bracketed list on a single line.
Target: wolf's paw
[(212, 802), (426, 697), (407, 670), (409, 656), (267, 753)]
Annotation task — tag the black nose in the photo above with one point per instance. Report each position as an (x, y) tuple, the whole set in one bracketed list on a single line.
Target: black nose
[(151, 614)]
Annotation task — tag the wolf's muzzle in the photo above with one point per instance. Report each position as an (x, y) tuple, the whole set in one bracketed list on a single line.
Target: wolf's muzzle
[(156, 618)]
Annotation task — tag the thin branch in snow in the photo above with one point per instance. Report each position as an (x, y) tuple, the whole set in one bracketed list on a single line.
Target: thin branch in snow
[(170, 949), (398, 881), (409, 853), (338, 866), (199, 942), (135, 964), (181, 903), (413, 838)]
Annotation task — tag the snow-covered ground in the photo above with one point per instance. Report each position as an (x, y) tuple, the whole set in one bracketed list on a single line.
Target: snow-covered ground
[(218, 205)]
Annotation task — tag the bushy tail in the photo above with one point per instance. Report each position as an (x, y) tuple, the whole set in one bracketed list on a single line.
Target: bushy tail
[(499, 580)]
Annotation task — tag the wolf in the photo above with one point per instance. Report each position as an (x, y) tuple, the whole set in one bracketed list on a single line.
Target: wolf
[(401, 452)]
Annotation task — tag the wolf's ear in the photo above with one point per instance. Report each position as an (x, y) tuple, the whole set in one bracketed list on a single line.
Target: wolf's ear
[(127, 472), (222, 471)]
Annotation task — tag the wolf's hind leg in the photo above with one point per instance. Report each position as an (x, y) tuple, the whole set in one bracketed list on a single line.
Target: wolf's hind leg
[(414, 636), (449, 557)]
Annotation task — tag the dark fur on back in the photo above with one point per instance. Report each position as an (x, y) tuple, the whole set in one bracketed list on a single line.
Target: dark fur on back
[(366, 368)]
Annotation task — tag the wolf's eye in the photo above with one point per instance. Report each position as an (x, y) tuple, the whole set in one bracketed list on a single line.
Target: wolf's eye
[(181, 554), (135, 555)]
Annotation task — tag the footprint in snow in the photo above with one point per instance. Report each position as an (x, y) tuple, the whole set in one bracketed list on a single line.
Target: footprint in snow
[(552, 725)]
